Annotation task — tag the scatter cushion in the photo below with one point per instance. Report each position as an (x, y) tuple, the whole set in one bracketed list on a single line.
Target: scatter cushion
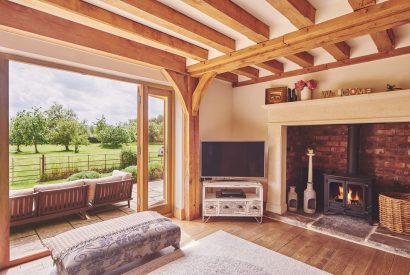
[(110, 179), (21, 192), (47, 187), (91, 188), (125, 175)]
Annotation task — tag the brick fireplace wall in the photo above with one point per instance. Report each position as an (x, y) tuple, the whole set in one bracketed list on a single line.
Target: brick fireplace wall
[(385, 154)]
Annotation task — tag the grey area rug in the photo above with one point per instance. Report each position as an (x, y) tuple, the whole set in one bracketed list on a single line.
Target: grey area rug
[(223, 253)]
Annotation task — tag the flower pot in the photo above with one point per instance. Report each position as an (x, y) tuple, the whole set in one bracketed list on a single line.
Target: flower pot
[(305, 94)]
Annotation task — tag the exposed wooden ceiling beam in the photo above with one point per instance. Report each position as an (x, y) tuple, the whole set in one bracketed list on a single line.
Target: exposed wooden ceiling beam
[(199, 91), (384, 40), (302, 14), (101, 19), (328, 66), (360, 4), (273, 66), (299, 12), (230, 77), (372, 19), (25, 21), (232, 15), (339, 51), (303, 59), (248, 71), (164, 16)]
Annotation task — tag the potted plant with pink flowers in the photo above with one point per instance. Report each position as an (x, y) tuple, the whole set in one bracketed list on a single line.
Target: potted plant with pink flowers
[(305, 88)]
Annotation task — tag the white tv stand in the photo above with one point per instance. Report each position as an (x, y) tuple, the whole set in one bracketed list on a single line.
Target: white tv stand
[(251, 206)]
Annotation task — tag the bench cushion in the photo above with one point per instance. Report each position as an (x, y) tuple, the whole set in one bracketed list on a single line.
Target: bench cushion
[(105, 246), (47, 187), (21, 192), (124, 175)]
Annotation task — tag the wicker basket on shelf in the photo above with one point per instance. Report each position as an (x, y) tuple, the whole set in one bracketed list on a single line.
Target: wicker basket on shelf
[(394, 210)]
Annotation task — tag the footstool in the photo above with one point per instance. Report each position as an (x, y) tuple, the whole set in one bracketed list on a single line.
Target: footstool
[(105, 246)]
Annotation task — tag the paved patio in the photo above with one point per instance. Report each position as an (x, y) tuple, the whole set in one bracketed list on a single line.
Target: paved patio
[(26, 239)]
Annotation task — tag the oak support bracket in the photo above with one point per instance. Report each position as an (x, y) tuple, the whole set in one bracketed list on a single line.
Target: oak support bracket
[(203, 84)]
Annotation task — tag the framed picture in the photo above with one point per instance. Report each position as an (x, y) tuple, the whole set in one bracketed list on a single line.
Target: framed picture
[(276, 95)]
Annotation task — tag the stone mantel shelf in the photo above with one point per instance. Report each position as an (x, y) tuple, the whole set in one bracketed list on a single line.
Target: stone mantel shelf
[(391, 106)]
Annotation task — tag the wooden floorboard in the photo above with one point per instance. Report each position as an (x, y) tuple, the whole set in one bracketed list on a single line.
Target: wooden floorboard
[(330, 254)]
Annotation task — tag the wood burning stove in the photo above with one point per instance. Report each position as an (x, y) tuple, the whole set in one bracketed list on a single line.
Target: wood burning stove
[(349, 194)]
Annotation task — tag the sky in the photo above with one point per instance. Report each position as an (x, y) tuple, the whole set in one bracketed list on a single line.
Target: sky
[(89, 96)]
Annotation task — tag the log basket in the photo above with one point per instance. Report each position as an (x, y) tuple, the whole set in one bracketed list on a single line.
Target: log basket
[(394, 210)]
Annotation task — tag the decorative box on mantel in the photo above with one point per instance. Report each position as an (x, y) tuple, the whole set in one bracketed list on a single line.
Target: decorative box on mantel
[(366, 108)]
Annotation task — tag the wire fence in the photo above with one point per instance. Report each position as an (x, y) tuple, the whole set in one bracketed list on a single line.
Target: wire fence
[(46, 168)]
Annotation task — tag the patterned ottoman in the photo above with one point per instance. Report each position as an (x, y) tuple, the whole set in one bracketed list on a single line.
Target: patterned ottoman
[(105, 246)]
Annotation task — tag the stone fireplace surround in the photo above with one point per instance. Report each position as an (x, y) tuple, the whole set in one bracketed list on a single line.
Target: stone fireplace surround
[(358, 109)]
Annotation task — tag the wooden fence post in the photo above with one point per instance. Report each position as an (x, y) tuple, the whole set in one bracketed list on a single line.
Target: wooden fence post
[(88, 158), (43, 166), (105, 162)]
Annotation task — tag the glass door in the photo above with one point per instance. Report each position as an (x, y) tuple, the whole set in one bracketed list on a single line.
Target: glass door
[(155, 150)]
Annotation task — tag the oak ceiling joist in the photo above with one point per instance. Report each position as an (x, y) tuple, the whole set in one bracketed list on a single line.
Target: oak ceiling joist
[(384, 40), (248, 71), (303, 59), (375, 18), (273, 66), (232, 15), (302, 14), (230, 77), (332, 65), (164, 16), (92, 16), (29, 22), (235, 17)]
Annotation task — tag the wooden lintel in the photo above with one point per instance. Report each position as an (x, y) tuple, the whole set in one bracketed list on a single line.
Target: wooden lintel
[(92, 16), (372, 19), (203, 84), (29, 22), (232, 15), (303, 59), (328, 66), (164, 16)]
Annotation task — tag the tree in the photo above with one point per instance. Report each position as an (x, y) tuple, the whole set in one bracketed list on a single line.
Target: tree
[(131, 128), (80, 137), (36, 128), (57, 112), (19, 130), (156, 129), (100, 125), (113, 136)]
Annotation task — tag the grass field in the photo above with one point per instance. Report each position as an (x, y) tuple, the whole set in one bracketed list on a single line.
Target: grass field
[(25, 166)]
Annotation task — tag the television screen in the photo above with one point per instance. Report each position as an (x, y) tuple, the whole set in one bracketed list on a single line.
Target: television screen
[(232, 159)]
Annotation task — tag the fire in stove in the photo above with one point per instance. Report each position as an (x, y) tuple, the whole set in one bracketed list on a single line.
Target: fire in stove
[(353, 196)]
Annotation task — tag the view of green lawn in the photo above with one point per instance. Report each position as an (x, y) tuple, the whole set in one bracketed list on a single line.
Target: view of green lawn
[(25, 166)]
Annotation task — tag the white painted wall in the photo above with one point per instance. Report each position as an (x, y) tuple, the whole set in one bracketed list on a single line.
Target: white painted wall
[(249, 119), (215, 113)]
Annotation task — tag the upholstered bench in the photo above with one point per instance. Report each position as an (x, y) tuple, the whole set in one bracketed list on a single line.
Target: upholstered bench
[(105, 246)]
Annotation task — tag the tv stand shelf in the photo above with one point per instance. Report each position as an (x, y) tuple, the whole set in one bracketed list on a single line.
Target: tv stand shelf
[(251, 206)]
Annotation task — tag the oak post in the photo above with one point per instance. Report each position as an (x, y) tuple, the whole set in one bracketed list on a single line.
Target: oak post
[(4, 167), (184, 87)]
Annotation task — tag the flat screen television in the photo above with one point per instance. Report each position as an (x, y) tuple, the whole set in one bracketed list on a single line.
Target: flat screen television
[(232, 159)]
